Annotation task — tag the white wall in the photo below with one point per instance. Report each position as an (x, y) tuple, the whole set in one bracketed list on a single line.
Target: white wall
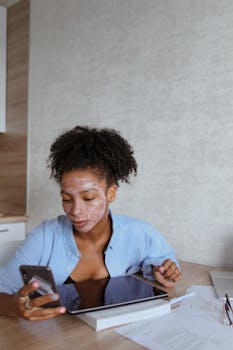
[(160, 71)]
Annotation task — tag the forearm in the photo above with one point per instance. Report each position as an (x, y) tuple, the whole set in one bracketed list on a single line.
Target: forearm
[(8, 305)]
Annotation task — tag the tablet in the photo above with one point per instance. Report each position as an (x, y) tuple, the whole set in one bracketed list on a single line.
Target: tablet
[(106, 293)]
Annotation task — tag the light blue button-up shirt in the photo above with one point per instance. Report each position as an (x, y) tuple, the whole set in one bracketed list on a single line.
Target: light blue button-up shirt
[(134, 246)]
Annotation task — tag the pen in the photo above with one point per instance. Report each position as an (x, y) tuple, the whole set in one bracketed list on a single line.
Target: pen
[(182, 297)]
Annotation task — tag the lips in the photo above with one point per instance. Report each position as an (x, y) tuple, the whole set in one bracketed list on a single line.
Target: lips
[(79, 223)]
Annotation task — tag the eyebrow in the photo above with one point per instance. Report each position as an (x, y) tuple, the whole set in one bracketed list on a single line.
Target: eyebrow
[(84, 191)]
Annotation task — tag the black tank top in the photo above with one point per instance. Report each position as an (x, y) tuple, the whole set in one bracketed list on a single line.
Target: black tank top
[(69, 280)]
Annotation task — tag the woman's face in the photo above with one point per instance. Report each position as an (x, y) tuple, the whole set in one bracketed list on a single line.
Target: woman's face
[(85, 198)]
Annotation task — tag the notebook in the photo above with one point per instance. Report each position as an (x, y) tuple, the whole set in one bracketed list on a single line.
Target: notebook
[(223, 283), (117, 316)]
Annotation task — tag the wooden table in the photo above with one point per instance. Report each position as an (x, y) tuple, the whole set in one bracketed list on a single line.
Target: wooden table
[(68, 332)]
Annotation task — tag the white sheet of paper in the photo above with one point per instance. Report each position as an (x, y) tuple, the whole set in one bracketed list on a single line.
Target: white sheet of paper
[(195, 325), (204, 300)]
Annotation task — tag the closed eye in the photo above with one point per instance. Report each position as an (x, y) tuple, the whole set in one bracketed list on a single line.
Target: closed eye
[(66, 200)]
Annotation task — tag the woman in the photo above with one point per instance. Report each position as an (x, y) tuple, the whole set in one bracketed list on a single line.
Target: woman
[(89, 242)]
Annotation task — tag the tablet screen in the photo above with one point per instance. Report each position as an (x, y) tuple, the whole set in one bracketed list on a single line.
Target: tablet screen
[(105, 293)]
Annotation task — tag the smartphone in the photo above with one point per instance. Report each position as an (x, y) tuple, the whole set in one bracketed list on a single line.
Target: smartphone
[(42, 274)]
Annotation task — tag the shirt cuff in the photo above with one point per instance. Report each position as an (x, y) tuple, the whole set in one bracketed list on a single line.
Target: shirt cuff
[(147, 267)]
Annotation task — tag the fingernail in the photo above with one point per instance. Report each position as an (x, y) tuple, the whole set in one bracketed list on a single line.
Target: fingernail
[(62, 310), (54, 297), (35, 285)]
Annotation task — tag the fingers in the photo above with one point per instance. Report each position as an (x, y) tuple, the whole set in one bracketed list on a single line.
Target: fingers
[(26, 290), (39, 314), (171, 271), (167, 274), (45, 299), (24, 293), (162, 280), (31, 309)]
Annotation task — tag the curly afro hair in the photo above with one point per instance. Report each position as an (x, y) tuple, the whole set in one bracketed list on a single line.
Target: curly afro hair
[(103, 151)]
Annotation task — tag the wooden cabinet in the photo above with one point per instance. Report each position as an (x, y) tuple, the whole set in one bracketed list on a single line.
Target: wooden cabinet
[(12, 232), (13, 143), (3, 16)]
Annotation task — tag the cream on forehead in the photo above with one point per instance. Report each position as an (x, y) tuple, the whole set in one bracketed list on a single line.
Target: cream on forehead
[(84, 184)]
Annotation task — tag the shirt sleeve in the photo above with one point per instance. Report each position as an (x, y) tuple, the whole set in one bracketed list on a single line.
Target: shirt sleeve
[(158, 251), (28, 253)]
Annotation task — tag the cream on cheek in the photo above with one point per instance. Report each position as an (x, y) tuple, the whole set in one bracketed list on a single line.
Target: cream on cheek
[(93, 212), (95, 209)]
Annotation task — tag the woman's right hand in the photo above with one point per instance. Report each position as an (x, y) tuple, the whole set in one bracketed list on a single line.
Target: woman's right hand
[(32, 309)]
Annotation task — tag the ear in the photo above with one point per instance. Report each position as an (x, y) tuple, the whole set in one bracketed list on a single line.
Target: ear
[(111, 193)]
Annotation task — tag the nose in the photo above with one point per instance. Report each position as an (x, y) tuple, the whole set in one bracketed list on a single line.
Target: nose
[(77, 208)]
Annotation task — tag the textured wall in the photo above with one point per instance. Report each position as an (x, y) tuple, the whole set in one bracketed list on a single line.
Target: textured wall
[(162, 73)]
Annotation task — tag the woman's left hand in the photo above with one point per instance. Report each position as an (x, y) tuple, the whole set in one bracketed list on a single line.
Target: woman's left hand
[(167, 274)]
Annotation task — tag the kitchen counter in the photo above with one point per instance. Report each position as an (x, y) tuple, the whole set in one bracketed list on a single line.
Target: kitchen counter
[(8, 219)]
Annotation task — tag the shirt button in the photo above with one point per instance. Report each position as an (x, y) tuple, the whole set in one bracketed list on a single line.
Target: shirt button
[(68, 253), (68, 268)]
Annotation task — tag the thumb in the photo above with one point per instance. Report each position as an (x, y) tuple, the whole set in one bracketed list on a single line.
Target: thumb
[(159, 269)]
